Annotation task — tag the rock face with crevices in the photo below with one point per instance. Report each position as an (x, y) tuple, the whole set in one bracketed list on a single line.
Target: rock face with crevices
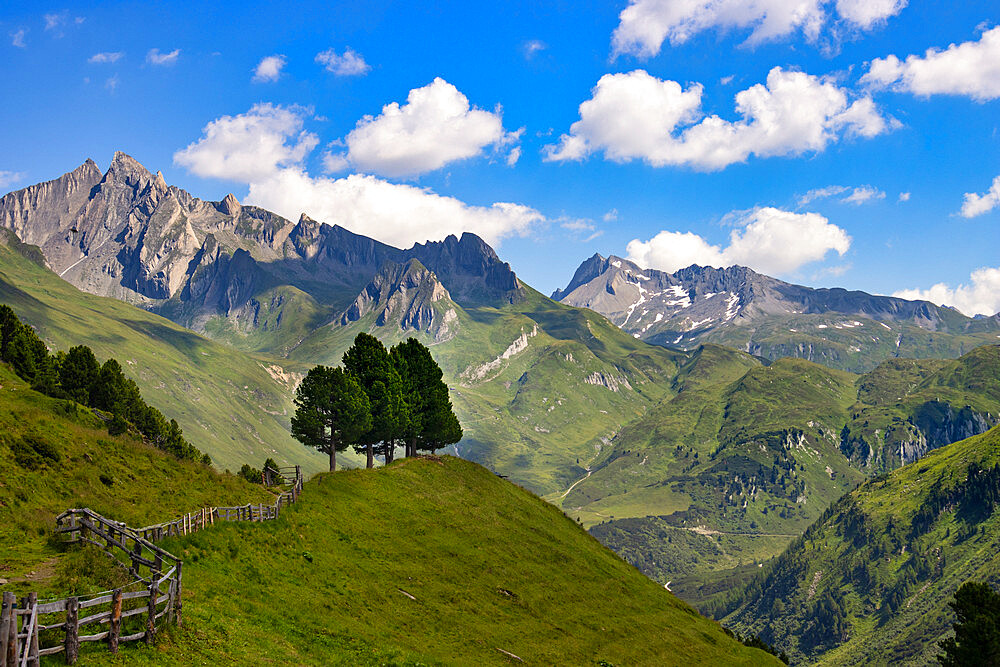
[(127, 234), (406, 296)]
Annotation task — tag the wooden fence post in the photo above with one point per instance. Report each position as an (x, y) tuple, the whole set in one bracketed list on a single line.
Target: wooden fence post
[(151, 607), (72, 643), (31, 648), (177, 602), (115, 629), (7, 619), (136, 553)]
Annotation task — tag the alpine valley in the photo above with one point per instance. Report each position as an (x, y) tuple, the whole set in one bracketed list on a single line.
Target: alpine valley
[(698, 423)]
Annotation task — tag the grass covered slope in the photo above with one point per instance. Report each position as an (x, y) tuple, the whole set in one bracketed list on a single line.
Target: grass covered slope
[(745, 456), (57, 454), (232, 406), (539, 387), (725, 473), (870, 582), (429, 561)]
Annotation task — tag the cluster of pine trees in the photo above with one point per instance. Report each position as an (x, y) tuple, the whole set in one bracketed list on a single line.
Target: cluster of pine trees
[(379, 400), (76, 375)]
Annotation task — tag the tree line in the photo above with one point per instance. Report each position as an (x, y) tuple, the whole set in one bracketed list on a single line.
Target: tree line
[(380, 399), (76, 375)]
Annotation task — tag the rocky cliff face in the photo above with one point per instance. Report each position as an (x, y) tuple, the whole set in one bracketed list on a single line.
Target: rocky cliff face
[(406, 296), (933, 424), (127, 234), (738, 307)]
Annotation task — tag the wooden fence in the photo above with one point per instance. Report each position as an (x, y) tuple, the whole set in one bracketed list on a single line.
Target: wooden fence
[(32, 628)]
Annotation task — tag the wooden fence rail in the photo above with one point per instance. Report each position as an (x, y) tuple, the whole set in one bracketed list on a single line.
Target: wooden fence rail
[(29, 628)]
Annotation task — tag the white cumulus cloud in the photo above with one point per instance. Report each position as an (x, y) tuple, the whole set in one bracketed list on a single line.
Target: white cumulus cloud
[(349, 63), (267, 148), (970, 68), (397, 214), (981, 296), (154, 57), (866, 14), (976, 204), (904, 196), (106, 57), (249, 147), (436, 126), (637, 116), (17, 38), (766, 239), (645, 24), (269, 68)]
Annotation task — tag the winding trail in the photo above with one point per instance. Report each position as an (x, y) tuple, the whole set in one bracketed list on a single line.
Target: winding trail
[(566, 492)]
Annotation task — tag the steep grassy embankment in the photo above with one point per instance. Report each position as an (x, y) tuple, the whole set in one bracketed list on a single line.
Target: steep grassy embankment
[(232, 406), (429, 561), (870, 582), (57, 454)]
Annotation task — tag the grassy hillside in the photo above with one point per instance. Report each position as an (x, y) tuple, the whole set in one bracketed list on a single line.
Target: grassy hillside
[(745, 457), (233, 406), (870, 582), (57, 454), (489, 564), (540, 388), (427, 561), (907, 407)]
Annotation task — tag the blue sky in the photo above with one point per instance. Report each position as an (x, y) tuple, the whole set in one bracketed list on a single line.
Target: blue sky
[(850, 160)]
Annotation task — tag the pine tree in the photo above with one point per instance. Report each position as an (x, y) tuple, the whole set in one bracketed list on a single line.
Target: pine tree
[(331, 411), (78, 373), (433, 423), (369, 362), (977, 630)]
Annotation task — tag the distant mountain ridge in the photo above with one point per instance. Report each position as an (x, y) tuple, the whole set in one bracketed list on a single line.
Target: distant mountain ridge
[(127, 234), (741, 308)]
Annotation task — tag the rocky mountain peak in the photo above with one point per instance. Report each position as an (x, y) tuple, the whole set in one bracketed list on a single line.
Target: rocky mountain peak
[(126, 169), (590, 269), (230, 205), (472, 270), (409, 296), (87, 171)]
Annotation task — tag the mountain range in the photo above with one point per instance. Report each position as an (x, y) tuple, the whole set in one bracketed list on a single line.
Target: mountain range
[(740, 308), (537, 385), (551, 393), (698, 423)]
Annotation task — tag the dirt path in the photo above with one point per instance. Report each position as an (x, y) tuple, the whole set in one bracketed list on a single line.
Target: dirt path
[(566, 492)]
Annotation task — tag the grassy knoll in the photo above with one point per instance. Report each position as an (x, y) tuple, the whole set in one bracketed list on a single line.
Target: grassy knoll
[(57, 454), (870, 582), (427, 561)]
